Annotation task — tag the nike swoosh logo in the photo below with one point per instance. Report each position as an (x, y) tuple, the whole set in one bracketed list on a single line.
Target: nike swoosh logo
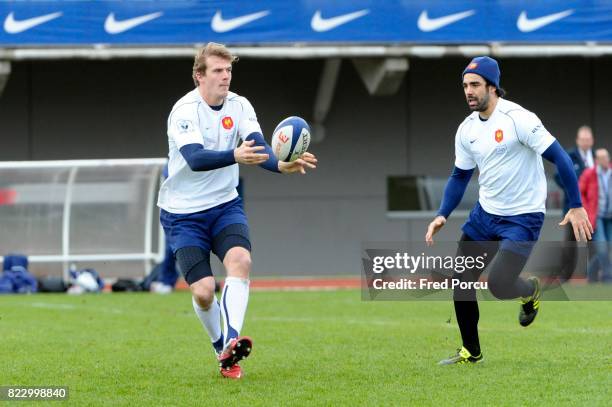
[(524, 24), (320, 24), (13, 26), (427, 24), (472, 141), (112, 26), (220, 25)]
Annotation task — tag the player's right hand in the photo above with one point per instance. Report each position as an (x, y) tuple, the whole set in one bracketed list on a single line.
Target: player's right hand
[(247, 154), (433, 228)]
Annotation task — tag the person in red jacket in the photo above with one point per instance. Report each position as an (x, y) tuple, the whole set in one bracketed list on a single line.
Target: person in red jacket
[(596, 194)]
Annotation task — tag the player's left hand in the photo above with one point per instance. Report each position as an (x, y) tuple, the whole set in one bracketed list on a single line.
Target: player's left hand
[(306, 160), (580, 222)]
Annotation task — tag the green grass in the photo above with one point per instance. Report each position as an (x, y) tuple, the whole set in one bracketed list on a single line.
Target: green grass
[(323, 348)]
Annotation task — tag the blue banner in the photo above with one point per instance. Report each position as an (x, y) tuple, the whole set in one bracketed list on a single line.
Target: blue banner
[(281, 22)]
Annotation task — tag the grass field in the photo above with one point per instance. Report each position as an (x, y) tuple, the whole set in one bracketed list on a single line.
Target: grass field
[(323, 348)]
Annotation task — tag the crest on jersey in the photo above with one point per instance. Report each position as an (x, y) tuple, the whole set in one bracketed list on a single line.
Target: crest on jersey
[(227, 122), (184, 126), (499, 135)]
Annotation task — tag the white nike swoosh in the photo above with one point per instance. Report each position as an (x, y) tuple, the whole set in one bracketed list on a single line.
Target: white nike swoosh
[(526, 25), (113, 26), (218, 24), (427, 24), (320, 24), (13, 26)]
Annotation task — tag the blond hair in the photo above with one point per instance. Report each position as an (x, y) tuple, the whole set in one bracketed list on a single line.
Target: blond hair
[(210, 49)]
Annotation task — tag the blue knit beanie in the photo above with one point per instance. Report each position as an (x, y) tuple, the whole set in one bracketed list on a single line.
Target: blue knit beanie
[(486, 67)]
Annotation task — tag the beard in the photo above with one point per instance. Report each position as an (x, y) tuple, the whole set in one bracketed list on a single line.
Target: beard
[(481, 105)]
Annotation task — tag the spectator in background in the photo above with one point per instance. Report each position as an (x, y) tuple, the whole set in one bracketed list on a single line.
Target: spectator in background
[(597, 198), (166, 280), (168, 274), (582, 158)]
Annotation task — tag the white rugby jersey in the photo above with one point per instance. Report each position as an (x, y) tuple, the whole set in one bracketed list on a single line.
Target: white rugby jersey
[(193, 121), (507, 149)]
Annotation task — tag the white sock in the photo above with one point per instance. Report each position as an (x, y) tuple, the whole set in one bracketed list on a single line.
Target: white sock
[(233, 305), (211, 321)]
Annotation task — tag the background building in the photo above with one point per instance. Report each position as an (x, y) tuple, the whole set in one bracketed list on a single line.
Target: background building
[(379, 82)]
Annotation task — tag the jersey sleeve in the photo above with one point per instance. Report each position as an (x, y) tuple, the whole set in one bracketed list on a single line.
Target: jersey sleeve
[(531, 132), (463, 157), (183, 127), (248, 122)]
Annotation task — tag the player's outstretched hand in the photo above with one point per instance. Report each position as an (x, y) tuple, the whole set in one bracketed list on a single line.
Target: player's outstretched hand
[(433, 228), (580, 223), (247, 154), (306, 160)]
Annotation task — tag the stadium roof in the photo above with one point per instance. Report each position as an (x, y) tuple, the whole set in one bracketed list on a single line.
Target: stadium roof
[(312, 51)]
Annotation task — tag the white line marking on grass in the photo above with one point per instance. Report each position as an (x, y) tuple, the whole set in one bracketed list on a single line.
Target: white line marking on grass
[(72, 307), (542, 329), (302, 288), (52, 305), (310, 320)]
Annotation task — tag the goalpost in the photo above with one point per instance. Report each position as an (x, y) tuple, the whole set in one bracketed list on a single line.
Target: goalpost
[(98, 214)]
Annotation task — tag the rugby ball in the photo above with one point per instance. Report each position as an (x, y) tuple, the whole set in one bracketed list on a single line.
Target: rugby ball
[(291, 139)]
